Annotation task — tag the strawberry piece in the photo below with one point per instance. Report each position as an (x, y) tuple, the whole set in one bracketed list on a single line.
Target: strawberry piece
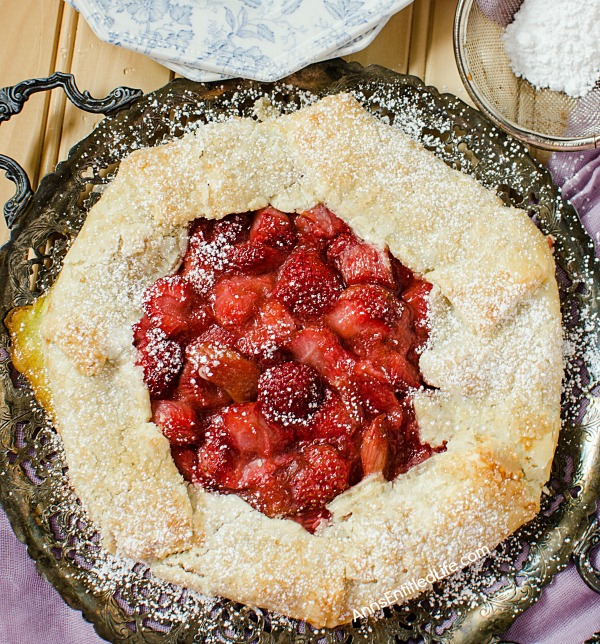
[(178, 421), (375, 393), (201, 230), (404, 442), (338, 247), (311, 520), (417, 297), (186, 460), (363, 345), (331, 422), (218, 337), (256, 257), (403, 276), (319, 224), (374, 450), (209, 250), (321, 349), (322, 475), (248, 432), (289, 394), (266, 485), (140, 332), (403, 337), (361, 263), (400, 373), (216, 459), (225, 368), (161, 360), (365, 309), (172, 305), (200, 393), (272, 329), (230, 230), (306, 285), (273, 228), (237, 297), (200, 266)]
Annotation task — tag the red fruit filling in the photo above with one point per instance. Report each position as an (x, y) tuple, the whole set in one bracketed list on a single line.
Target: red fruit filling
[(280, 360)]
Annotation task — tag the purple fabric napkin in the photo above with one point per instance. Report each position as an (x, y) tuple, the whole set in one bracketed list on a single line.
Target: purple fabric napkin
[(500, 11), (31, 610), (578, 173)]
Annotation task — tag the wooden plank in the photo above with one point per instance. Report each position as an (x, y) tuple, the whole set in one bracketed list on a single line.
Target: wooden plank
[(58, 99), (99, 67), (440, 66), (419, 39), (28, 33), (391, 46)]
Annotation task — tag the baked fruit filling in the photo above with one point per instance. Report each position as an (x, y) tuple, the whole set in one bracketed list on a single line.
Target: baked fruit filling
[(280, 359)]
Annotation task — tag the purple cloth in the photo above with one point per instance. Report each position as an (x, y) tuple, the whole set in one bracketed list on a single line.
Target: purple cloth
[(31, 611), (578, 173), (500, 11)]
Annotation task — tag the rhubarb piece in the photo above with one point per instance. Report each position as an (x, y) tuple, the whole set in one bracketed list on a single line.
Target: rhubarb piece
[(374, 450)]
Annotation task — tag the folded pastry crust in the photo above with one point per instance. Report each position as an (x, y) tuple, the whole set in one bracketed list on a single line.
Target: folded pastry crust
[(494, 357)]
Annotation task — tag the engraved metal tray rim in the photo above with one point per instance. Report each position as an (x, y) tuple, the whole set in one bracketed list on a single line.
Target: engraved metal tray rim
[(452, 130)]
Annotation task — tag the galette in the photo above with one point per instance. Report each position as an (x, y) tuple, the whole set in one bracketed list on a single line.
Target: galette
[(300, 362)]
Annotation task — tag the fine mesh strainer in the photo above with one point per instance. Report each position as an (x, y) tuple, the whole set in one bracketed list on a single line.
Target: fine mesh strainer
[(541, 117)]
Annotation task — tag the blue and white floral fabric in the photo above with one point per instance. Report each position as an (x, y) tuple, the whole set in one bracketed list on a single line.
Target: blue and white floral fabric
[(259, 39)]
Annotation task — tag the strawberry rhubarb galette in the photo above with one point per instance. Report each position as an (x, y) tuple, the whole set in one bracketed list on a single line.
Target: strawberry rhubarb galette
[(300, 362)]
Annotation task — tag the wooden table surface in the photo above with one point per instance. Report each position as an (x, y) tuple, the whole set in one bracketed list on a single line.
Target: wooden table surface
[(39, 37)]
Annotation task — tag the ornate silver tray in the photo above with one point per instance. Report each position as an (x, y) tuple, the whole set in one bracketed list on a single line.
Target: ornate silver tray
[(121, 598)]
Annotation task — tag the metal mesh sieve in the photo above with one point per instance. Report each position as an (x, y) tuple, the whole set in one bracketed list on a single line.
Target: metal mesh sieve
[(542, 117)]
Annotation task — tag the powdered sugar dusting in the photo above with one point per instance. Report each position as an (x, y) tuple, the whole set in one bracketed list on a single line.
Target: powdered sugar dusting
[(553, 44)]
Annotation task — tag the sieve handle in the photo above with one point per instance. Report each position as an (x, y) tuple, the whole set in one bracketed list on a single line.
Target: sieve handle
[(12, 100)]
